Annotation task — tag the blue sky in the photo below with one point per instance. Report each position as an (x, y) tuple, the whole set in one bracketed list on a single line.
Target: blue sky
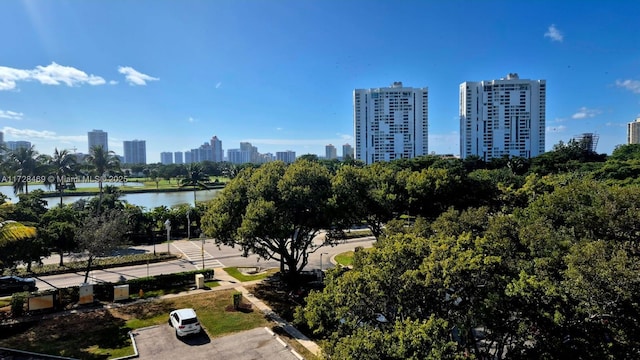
[(280, 74)]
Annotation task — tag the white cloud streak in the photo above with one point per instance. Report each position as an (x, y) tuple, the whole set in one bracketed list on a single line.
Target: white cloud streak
[(554, 34), (42, 134), (135, 77), (52, 74), (585, 113), (218, 84), (556, 129), (8, 114), (631, 85)]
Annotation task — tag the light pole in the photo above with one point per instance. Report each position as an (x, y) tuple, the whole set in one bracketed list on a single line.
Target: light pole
[(188, 224), (167, 224), (203, 253)]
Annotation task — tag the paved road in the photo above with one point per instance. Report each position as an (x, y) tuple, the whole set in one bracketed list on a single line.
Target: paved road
[(193, 252)]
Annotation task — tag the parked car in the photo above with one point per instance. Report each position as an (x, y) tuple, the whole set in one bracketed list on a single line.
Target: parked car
[(185, 322), (12, 284)]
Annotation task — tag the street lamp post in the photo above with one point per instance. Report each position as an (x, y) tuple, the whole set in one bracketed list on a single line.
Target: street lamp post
[(203, 253), (167, 224), (188, 224)]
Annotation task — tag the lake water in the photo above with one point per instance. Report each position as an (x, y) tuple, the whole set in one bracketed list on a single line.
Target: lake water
[(148, 200)]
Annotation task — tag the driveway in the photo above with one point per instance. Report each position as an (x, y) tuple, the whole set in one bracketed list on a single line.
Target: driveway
[(160, 342)]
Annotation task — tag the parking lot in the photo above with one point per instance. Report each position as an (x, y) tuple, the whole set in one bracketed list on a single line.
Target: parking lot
[(160, 342)]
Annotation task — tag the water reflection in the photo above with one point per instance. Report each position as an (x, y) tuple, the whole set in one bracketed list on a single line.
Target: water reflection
[(147, 200)]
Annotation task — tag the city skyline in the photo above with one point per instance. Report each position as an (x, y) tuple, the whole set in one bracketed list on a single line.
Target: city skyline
[(280, 75)]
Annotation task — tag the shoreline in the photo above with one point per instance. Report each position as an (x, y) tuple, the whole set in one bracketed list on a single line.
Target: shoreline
[(128, 190)]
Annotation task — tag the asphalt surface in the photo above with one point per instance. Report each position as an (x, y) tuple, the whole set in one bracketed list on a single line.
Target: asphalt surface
[(160, 342), (193, 254)]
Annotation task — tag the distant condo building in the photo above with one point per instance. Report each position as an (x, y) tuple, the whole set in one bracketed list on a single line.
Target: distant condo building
[(347, 152), (15, 145), (166, 158), (503, 117), (135, 152), (633, 132), (390, 123), (330, 152), (177, 157), (286, 156), (238, 156), (216, 149), (98, 138)]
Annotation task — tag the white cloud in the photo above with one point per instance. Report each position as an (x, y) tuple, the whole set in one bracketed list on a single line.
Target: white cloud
[(42, 134), (556, 129), (585, 113), (135, 77), (554, 34), (113, 82), (292, 142), (52, 74), (192, 120), (631, 85), (279, 129), (8, 114), (218, 84)]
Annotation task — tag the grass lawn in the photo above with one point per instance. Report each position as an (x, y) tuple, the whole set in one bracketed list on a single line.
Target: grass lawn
[(345, 258), (238, 275), (104, 332)]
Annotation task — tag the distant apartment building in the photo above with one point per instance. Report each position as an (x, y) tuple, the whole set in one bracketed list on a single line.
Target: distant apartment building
[(177, 157), (286, 156), (347, 152), (203, 153), (390, 123), (98, 138), (135, 151), (252, 150), (216, 149), (15, 145), (166, 158), (188, 157), (503, 117), (330, 152), (265, 158), (633, 132), (238, 156)]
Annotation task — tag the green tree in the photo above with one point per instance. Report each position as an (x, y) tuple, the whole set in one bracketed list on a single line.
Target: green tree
[(62, 168), (196, 178), (275, 212), (58, 227), (12, 237), (102, 163), (24, 164), (101, 235)]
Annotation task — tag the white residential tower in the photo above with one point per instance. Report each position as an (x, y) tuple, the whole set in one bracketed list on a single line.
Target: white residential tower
[(390, 123), (503, 117)]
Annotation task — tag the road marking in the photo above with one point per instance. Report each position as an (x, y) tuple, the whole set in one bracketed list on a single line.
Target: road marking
[(196, 255)]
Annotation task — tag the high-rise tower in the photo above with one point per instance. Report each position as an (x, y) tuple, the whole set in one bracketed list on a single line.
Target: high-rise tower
[(390, 123)]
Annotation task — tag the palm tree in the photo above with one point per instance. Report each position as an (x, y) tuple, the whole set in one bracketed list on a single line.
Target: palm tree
[(25, 164), (63, 167), (196, 178), (11, 233), (101, 163)]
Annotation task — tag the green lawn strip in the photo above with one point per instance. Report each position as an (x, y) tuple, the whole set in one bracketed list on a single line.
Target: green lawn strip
[(238, 275), (345, 258), (100, 263), (103, 333)]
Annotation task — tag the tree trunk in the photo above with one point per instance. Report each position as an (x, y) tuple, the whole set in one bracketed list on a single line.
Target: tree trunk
[(61, 259)]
